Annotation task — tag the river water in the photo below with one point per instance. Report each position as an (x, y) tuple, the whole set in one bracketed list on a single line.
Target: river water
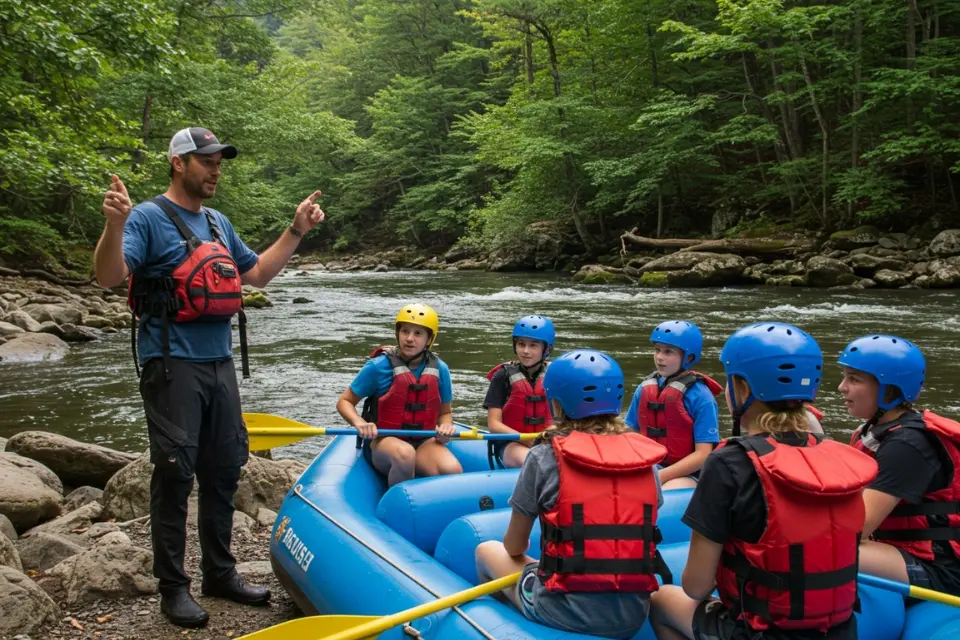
[(304, 355)]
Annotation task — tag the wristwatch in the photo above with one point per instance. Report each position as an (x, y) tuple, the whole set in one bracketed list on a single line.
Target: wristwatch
[(293, 230)]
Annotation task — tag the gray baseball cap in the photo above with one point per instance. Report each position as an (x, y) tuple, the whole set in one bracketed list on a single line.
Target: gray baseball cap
[(198, 140)]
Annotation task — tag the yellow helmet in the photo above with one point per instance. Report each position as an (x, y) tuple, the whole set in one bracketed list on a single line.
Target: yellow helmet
[(422, 316)]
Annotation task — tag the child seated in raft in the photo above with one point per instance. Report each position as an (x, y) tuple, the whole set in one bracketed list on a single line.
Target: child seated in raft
[(777, 514), (913, 517), (406, 387), (675, 405), (589, 468), (515, 400)]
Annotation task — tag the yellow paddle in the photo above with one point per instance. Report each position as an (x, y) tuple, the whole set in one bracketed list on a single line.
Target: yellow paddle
[(363, 627), (267, 431), (909, 590)]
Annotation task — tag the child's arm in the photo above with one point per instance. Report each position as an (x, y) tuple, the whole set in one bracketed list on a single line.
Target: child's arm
[(699, 576), (516, 540), (347, 408), (495, 421), (689, 465), (497, 394), (445, 423)]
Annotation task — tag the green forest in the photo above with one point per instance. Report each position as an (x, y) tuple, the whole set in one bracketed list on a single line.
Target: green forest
[(429, 123)]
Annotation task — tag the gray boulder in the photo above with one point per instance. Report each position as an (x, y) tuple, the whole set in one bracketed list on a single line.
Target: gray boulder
[(76, 463), (24, 606)]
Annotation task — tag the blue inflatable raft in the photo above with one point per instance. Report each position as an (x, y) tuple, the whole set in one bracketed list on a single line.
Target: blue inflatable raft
[(343, 543)]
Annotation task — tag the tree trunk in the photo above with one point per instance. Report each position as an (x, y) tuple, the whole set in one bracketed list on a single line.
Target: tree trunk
[(911, 51), (659, 212), (792, 144), (953, 193), (144, 129), (743, 247), (825, 132), (654, 73), (857, 100), (528, 53), (569, 169), (778, 148)]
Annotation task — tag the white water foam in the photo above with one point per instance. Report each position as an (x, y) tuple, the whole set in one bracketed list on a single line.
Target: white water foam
[(835, 309)]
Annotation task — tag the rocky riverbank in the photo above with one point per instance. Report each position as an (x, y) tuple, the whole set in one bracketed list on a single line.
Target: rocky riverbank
[(39, 319), (75, 556), (858, 258)]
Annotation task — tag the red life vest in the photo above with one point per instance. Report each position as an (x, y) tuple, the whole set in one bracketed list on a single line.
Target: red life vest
[(912, 527), (662, 416), (601, 535), (802, 572), (526, 409), (206, 286), (409, 403)]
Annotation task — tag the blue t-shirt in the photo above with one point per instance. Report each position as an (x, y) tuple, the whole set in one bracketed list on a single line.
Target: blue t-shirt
[(376, 376), (152, 245), (699, 403)]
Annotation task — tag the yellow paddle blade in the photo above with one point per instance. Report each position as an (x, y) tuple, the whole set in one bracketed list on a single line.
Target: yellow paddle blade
[(259, 426), (364, 627), (313, 627)]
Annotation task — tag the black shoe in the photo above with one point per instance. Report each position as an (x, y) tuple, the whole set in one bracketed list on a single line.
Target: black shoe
[(236, 589), (182, 610)]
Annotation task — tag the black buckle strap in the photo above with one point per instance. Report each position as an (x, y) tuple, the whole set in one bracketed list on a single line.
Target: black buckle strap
[(656, 432), (787, 580), (556, 564), (416, 406), (419, 386), (926, 509), (143, 286), (915, 535), (534, 421), (536, 398), (559, 535), (244, 355), (656, 406), (412, 426)]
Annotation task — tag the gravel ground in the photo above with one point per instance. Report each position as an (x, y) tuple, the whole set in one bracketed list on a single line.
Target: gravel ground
[(140, 618)]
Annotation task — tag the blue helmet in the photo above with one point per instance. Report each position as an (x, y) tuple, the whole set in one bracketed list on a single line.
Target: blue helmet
[(893, 361), (536, 328), (683, 335), (779, 361), (585, 383)]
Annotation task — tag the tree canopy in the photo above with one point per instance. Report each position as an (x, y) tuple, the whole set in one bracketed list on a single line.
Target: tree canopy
[(428, 122)]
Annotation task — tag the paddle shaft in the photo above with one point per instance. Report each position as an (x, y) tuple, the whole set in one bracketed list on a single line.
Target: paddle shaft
[(909, 590), (375, 627), (405, 433)]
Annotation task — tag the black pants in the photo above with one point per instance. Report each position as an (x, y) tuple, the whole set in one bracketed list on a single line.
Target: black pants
[(196, 427), (713, 621)]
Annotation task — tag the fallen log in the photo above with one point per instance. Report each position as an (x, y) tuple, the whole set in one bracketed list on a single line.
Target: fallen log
[(49, 277), (760, 247)]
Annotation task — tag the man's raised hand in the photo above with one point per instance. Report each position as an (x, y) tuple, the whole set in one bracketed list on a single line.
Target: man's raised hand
[(116, 202), (309, 214)]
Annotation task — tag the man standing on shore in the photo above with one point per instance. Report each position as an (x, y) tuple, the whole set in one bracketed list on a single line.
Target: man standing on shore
[(179, 252)]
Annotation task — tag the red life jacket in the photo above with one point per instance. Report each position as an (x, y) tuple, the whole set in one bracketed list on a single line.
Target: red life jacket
[(526, 409), (206, 286), (913, 527), (802, 572), (601, 535), (662, 416), (816, 413), (409, 403)]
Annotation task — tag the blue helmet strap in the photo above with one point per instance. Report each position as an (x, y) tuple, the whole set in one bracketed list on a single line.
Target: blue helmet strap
[(738, 410)]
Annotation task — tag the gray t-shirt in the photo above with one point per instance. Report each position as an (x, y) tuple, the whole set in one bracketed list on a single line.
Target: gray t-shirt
[(615, 615)]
